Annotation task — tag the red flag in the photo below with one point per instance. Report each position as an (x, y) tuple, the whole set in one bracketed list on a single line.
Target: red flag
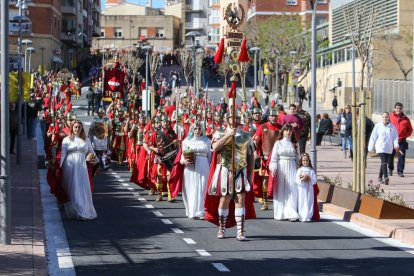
[(113, 82), (243, 55), (220, 51), (232, 91)]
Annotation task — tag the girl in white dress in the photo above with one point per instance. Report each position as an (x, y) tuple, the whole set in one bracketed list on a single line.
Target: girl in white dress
[(305, 179), (283, 167), (195, 174), (75, 174)]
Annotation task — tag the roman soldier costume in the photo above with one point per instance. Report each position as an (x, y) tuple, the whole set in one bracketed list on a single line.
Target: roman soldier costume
[(99, 135), (265, 137), (119, 136)]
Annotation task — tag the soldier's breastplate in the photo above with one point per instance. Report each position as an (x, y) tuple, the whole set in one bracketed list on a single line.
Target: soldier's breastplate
[(240, 158), (140, 137), (118, 129), (269, 139)]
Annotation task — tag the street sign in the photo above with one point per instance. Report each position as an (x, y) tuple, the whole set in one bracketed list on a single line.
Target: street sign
[(297, 73)]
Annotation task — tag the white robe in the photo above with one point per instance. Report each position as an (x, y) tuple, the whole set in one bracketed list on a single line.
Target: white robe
[(75, 178), (285, 191), (305, 193), (196, 175)]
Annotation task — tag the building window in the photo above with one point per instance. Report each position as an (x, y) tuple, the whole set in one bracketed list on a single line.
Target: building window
[(322, 1), (291, 2), (159, 32), (102, 32), (118, 32), (142, 32)]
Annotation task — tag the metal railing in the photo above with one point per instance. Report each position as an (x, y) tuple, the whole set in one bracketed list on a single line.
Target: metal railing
[(387, 92)]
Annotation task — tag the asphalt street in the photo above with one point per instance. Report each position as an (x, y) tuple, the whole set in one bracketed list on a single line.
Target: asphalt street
[(135, 235)]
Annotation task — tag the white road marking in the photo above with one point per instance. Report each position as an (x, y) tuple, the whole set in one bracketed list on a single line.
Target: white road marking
[(189, 241), (135, 194), (121, 180), (142, 199), (372, 234), (177, 230), (158, 213), (125, 184), (75, 106), (221, 267), (117, 176), (130, 189), (203, 252), (87, 123), (166, 221), (149, 206)]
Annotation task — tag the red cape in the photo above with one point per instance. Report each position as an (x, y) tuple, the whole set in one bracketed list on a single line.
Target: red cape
[(211, 203), (176, 176)]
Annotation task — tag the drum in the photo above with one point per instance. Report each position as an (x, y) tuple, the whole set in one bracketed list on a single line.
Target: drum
[(168, 158)]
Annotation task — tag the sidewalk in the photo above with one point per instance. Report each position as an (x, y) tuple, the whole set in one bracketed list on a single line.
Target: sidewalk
[(26, 254)]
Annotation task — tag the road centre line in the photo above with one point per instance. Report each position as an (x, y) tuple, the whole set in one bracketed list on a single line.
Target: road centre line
[(166, 221), (189, 241), (158, 213), (203, 252), (177, 230), (221, 267)]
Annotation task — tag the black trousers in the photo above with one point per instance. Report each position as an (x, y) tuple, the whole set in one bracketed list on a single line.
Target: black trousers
[(403, 146), (91, 106), (385, 158), (302, 143), (13, 134)]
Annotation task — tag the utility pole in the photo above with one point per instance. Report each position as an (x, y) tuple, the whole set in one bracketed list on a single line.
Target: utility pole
[(355, 178), (5, 211), (313, 151)]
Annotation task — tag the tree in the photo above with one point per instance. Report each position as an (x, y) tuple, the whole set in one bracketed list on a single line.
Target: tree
[(360, 21), (389, 45), (284, 35), (185, 60)]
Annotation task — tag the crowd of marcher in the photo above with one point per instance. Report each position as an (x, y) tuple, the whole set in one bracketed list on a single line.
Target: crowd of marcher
[(185, 146)]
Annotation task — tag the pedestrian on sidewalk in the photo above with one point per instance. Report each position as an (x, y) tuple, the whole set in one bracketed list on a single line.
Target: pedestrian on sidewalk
[(304, 134), (335, 105), (384, 139), (90, 96), (13, 123), (32, 112), (342, 120), (404, 128)]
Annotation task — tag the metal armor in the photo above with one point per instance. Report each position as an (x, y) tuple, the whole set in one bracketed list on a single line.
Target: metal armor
[(269, 139), (241, 146)]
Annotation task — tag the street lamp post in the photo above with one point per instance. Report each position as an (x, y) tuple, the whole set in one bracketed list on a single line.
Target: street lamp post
[(193, 36), (313, 152), (147, 49), (26, 42), (30, 50), (255, 50), (42, 70), (5, 202), (19, 19)]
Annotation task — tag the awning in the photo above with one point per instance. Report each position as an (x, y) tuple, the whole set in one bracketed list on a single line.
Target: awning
[(57, 59)]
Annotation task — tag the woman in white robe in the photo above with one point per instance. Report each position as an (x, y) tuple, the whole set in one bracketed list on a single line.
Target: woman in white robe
[(283, 167), (75, 176), (305, 179), (195, 174)]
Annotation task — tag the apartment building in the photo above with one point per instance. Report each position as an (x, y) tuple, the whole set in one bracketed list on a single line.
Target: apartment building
[(123, 25), (60, 30), (260, 10), (214, 19), (196, 13)]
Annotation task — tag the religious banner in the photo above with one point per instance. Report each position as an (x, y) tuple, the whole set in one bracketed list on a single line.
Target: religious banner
[(113, 82)]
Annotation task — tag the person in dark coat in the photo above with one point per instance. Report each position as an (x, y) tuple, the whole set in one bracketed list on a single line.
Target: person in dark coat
[(325, 127), (13, 123), (90, 96)]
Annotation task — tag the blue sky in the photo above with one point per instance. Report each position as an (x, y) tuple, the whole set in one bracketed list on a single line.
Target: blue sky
[(155, 3)]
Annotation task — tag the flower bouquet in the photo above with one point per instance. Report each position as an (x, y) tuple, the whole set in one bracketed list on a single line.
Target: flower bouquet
[(189, 155)]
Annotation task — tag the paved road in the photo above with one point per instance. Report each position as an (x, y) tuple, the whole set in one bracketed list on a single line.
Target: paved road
[(134, 235)]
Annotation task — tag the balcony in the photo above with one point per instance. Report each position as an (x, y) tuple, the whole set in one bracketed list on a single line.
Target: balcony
[(214, 20), (68, 7), (194, 26), (68, 37)]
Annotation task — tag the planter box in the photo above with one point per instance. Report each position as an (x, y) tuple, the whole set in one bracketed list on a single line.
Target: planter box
[(325, 191), (381, 209), (345, 198)]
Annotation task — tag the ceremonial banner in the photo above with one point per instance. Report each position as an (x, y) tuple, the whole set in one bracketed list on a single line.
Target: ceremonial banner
[(113, 82), (27, 83)]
